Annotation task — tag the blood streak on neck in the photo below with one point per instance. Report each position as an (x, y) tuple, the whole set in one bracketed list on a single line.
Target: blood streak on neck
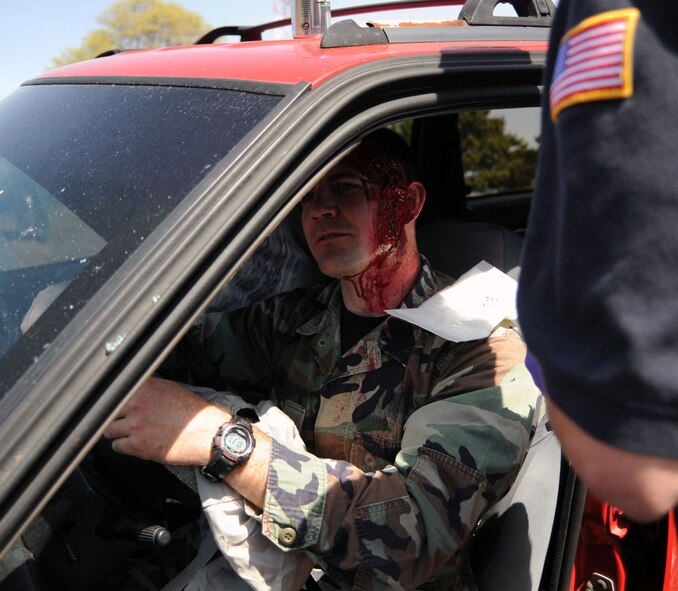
[(386, 190)]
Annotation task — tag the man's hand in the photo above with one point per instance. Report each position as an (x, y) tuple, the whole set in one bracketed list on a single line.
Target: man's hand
[(166, 423)]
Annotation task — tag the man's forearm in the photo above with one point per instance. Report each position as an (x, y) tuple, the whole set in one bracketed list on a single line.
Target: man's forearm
[(166, 423), (644, 487)]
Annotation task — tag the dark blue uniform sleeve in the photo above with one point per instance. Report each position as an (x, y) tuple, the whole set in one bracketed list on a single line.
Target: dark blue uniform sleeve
[(598, 297)]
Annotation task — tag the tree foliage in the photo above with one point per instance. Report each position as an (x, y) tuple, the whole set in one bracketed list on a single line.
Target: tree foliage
[(137, 24), (494, 159)]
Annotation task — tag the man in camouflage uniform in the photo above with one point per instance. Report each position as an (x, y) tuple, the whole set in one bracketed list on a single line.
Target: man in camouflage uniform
[(410, 437)]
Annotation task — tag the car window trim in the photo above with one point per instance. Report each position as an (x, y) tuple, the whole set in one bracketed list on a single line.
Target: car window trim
[(266, 88)]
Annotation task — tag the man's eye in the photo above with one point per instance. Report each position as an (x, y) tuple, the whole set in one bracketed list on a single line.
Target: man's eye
[(347, 187), (306, 199)]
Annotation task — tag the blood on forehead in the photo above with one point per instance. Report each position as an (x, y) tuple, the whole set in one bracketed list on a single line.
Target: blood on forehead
[(381, 169), (387, 185)]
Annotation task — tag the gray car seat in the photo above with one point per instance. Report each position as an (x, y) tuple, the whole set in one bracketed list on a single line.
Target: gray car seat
[(513, 539), (513, 545), (454, 247)]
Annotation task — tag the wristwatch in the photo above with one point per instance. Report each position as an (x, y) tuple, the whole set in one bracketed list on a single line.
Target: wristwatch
[(232, 445)]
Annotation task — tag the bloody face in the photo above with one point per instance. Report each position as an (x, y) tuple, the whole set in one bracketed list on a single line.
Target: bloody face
[(354, 221)]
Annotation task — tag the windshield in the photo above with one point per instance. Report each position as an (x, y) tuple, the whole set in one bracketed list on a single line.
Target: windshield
[(90, 170)]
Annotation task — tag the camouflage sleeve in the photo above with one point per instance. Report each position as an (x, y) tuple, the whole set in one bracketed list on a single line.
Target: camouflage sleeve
[(409, 523), (226, 350)]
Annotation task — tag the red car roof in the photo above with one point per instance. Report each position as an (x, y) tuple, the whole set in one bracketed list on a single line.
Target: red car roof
[(282, 61)]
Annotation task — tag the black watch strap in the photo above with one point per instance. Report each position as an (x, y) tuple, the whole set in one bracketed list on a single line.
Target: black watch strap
[(247, 413), (218, 467)]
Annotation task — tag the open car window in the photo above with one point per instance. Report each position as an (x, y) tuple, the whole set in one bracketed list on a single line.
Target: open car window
[(499, 150)]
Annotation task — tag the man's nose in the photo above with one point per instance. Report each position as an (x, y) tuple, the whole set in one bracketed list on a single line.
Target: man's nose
[(323, 202)]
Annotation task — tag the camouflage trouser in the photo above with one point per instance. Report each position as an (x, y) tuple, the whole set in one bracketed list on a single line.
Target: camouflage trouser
[(153, 569)]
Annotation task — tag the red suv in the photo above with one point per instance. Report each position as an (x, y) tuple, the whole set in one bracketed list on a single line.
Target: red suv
[(135, 186)]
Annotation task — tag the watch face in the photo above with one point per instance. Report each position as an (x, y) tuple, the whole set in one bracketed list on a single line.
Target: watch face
[(236, 441)]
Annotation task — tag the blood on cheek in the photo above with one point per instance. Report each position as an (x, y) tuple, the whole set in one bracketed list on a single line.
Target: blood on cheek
[(391, 213)]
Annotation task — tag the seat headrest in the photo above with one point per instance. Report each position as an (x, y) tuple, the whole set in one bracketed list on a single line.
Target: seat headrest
[(453, 247)]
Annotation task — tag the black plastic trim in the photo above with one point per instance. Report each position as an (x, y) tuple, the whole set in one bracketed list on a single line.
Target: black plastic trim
[(109, 52), (268, 88), (348, 33), (563, 544), (463, 33), (532, 13)]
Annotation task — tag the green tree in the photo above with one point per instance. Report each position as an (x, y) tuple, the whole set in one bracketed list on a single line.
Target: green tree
[(494, 159), (137, 24)]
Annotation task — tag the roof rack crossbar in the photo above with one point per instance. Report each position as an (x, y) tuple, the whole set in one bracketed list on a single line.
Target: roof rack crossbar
[(253, 32), (535, 13)]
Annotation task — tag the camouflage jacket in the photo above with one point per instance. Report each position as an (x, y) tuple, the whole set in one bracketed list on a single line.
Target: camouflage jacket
[(410, 437)]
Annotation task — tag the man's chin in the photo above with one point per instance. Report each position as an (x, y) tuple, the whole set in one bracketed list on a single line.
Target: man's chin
[(331, 271), (337, 269)]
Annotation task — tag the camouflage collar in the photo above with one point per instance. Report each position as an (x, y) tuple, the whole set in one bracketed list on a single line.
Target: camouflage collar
[(424, 287)]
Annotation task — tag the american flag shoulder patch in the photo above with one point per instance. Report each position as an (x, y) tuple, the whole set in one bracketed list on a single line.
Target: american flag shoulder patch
[(595, 61)]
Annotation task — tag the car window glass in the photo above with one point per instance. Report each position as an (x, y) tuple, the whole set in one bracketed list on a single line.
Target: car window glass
[(86, 173), (34, 224)]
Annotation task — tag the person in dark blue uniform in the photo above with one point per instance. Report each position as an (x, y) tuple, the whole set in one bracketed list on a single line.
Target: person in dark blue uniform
[(598, 296)]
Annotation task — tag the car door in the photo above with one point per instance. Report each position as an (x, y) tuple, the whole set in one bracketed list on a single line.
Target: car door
[(135, 286)]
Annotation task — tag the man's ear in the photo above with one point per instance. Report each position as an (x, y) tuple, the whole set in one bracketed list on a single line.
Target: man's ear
[(416, 196)]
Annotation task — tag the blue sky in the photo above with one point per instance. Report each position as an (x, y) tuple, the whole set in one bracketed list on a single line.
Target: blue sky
[(35, 31)]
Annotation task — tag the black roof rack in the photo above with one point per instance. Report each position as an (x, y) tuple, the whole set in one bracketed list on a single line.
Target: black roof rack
[(535, 13), (531, 13)]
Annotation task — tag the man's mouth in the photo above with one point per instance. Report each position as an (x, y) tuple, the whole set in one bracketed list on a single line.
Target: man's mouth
[(330, 235)]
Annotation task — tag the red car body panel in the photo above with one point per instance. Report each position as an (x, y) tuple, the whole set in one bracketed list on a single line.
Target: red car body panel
[(288, 62)]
